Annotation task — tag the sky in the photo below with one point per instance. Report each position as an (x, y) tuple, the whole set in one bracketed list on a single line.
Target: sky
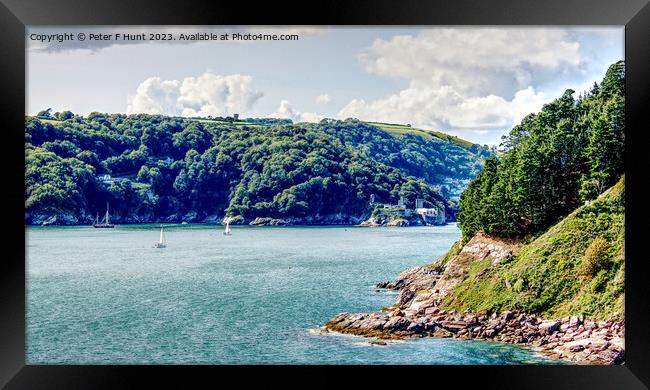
[(473, 82)]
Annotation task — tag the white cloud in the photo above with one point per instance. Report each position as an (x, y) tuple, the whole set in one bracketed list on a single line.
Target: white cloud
[(155, 96), (446, 109), (286, 111), (475, 60), (323, 99), (208, 94), (475, 80), (311, 117)]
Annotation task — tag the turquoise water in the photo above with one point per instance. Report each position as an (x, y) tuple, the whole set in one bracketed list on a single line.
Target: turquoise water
[(105, 296)]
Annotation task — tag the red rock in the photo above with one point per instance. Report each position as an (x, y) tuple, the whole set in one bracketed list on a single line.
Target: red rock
[(548, 327)]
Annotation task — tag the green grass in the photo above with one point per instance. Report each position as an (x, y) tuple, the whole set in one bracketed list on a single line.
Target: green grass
[(238, 123), (50, 121), (400, 130), (547, 276)]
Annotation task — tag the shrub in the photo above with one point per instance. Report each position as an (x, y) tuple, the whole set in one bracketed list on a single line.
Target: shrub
[(595, 258)]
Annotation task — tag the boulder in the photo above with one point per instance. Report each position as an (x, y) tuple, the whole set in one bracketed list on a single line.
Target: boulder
[(259, 221), (396, 324), (490, 333), (548, 327), (192, 216), (415, 327)]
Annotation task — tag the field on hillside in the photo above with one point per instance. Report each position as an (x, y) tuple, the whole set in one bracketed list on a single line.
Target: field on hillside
[(399, 130)]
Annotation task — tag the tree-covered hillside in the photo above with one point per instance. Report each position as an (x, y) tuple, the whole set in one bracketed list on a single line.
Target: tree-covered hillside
[(152, 167), (551, 163), (427, 157)]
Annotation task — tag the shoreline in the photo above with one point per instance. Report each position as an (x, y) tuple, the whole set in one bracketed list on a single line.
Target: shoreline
[(422, 310), (569, 339), (215, 223)]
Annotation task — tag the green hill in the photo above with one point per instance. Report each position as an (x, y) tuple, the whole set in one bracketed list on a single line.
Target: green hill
[(546, 193), (576, 266), (159, 168)]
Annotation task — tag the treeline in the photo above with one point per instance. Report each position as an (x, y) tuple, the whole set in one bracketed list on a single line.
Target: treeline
[(551, 163), (164, 166)]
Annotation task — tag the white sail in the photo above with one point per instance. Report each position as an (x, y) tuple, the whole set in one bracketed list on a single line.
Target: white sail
[(106, 220), (107, 217), (162, 243), (227, 231)]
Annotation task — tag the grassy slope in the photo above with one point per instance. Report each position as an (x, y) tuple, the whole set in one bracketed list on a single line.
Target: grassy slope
[(238, 123), (53, 122), (577, 266), (398, 130)]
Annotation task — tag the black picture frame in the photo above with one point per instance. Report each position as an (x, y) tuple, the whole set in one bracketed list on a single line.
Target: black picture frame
[(16, 14)]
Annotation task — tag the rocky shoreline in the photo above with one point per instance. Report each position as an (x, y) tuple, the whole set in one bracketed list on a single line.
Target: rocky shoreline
[(419, 312), (67, 219), (572, 338), (377, 219)]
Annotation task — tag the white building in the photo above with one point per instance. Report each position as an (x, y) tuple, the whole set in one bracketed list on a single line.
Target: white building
[(427, 212), (105, 178)]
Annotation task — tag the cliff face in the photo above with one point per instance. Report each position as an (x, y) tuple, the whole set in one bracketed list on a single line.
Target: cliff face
[(561, 293)]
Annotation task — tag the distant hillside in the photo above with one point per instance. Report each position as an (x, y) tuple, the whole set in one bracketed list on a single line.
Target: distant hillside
[(158, 168), (425, 154), (440, 161)]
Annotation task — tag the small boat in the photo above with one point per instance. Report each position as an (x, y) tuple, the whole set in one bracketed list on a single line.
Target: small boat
[(162, 243), (184, 223), (106, 222), (227, 231)]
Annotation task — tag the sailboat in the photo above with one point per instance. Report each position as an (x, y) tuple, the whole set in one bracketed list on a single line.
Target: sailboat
[(162, 243), (106, 222), (227, 231)]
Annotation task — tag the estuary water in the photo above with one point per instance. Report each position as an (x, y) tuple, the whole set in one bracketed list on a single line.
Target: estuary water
[(259, 296)]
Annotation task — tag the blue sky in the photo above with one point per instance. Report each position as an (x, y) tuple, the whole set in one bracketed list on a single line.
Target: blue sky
[(472, 82)]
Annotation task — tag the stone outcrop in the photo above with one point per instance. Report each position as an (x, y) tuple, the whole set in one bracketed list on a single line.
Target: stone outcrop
[(328, 219), (402, 221), (418, 312), (61, 218), (268, 222)]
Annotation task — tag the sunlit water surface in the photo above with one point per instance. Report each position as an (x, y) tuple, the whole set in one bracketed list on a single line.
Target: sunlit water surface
[(105, 296)]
